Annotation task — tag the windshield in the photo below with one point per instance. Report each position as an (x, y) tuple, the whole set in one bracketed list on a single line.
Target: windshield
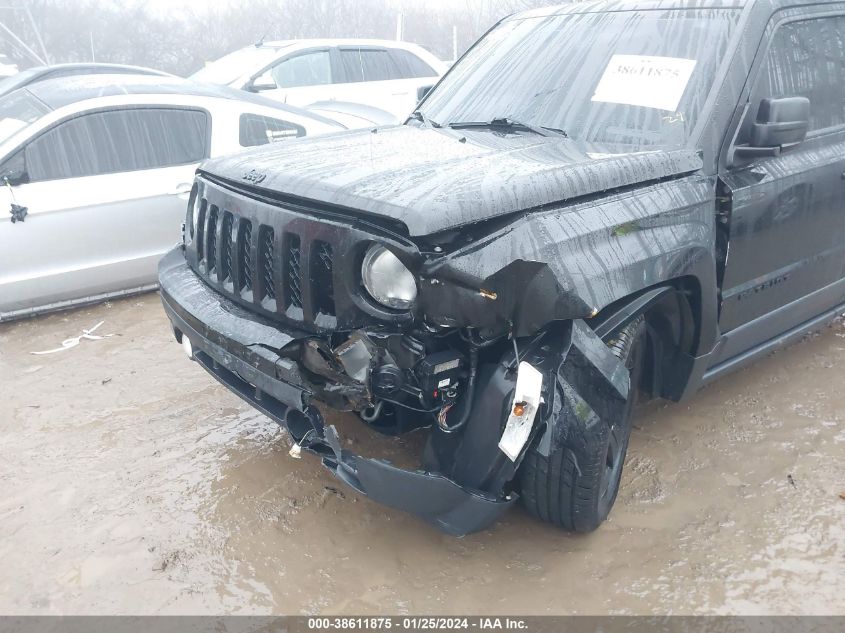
[(235, 65), (632, 78), (17, 110)]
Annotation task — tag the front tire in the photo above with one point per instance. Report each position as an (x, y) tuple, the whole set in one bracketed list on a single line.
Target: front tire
[(575, 487)]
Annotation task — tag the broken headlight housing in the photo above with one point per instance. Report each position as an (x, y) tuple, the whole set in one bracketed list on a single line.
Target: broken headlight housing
[(387, 279)]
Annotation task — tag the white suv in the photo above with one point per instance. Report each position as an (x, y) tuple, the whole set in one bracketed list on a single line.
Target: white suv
[(389, 75)]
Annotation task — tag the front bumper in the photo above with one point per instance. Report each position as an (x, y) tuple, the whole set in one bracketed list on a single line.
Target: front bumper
[(240, 350)]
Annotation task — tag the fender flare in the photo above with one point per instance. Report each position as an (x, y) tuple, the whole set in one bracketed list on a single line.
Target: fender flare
[(619, 318), (670, 356)]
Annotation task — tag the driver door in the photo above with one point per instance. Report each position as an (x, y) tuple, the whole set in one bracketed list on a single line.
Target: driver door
[(787, 225)]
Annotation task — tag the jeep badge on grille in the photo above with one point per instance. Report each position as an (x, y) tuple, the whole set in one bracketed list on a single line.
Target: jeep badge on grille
[(254, 177)]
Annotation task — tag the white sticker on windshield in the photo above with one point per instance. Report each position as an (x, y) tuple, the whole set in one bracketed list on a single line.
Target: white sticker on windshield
[(640, 80)]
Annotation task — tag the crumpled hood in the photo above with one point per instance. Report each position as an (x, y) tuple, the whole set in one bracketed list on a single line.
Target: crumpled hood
[(436, 179)]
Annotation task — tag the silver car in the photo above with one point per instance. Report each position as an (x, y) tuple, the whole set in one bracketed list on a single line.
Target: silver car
[(95, 174)]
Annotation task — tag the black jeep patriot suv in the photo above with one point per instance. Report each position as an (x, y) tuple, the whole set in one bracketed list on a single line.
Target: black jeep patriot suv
[(596, 200)]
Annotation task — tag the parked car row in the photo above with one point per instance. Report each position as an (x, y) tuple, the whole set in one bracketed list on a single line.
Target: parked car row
[(97, 160), (96, 171)]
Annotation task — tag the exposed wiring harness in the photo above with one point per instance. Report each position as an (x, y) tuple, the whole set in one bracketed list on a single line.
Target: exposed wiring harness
[(469, 396)]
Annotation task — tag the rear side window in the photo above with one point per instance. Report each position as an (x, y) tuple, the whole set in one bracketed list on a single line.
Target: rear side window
[(256, 129), (118, 141), (410, 65), (308, 69), (807, 59), (368, 64)]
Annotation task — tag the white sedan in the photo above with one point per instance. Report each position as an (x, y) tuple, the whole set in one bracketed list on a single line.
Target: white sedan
[(95, 174)]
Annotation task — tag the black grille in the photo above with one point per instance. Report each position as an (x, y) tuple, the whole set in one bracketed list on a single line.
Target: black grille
[(226, 248), (322, 273), (211, 255), (293, 279), (200, 237), (271, 268), (266, 257), (245, 256)]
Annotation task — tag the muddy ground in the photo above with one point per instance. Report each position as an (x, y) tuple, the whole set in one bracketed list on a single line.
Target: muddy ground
[(130, 482)]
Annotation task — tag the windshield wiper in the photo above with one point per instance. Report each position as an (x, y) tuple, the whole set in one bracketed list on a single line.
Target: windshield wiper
[(419, 116), (509, 123)]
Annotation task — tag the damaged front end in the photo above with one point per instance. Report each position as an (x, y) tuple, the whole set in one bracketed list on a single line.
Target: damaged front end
[(486, 395), (475, 334)]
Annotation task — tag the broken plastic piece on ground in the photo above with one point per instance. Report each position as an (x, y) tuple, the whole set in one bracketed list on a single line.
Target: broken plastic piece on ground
[(74, 341), (295, 451)]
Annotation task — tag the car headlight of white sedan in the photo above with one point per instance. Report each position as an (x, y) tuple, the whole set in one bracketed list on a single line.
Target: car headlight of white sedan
[(387, 279)]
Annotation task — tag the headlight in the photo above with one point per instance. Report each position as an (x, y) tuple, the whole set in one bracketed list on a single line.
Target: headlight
[(387, 279)]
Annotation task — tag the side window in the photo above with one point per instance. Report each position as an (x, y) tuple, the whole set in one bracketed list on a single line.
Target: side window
[(368, 64), (807, 59), (350, 60), (308, 69), (118, 141), (256, 129), (410, 65), (377, 65)]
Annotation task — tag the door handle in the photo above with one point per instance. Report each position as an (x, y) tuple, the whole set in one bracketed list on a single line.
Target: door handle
[(181, 189)]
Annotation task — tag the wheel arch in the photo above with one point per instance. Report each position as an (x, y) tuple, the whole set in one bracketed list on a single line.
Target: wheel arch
[(673, 313)]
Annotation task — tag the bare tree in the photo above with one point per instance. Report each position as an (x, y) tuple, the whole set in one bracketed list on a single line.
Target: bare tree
[(129, 32)]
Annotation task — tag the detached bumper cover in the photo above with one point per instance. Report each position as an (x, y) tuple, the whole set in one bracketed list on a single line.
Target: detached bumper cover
[(237, 348)]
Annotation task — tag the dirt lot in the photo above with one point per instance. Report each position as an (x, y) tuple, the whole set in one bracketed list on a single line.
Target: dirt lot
[(132, 483)]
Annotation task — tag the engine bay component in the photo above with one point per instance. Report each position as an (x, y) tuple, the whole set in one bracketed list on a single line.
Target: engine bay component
[(440, 370), (387, 381), (355, 358)]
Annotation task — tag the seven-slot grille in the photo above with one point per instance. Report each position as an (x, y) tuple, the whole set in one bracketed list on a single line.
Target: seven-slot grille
[(275, 270)]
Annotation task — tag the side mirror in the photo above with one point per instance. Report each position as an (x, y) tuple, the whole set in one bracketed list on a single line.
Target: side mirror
[(13, 171), (781, 122), (781, 125), (262, 83), (14, 177), (422, 91), (18, 212)]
